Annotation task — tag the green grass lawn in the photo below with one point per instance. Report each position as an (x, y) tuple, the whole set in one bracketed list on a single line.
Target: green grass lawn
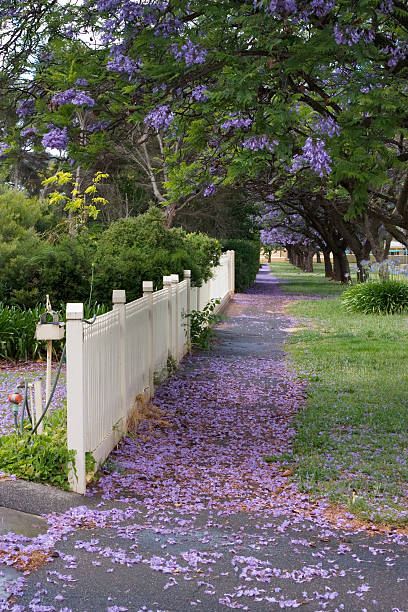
[(305, 283), (352, 441)]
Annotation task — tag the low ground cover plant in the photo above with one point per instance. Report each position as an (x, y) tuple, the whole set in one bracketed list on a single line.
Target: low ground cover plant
[(40, 458), (201, 321), (387, 296)]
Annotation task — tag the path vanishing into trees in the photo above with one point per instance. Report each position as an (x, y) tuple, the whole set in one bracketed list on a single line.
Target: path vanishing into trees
[(190, 516)]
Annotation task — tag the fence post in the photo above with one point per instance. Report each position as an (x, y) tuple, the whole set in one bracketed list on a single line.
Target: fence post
[(119, 305), (176, 322), (232, 267), (148, 292), (75, 395), (187, 277), (167, 285)]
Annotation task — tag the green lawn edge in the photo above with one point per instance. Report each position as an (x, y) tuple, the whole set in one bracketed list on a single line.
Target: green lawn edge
[(351, 443)]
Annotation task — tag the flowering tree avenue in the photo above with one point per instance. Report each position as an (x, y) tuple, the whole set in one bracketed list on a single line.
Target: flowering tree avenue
[(233, 88)]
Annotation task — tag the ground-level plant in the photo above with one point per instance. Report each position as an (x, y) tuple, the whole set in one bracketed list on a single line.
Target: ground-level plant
[(201, 332), (377, 297), (40, 458)]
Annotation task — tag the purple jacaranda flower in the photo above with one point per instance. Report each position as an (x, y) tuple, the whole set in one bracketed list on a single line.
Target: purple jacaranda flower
[(25, 108), (160, 118), (56, 138)]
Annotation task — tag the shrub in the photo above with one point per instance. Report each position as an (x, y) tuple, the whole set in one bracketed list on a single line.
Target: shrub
[(141, 248), (44, 458), (17, 328), (201, 332), (247, 253), (377, 297)]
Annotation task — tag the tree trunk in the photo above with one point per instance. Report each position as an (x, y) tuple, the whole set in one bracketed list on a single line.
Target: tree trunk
[(169, 215), (308, 261), (328, 268), (341, 268), (318, 258)]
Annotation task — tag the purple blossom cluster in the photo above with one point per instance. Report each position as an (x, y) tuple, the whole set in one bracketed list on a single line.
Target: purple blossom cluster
[(386, 6), (327, 126), (236, 122), (25, 108), (259, 143), (160, 118), (283, 8), (107, 5), (210, 190), (199, 93), (73, 96), (397, 52), (29, 132), (315, 156), (189, 52), (4, 148), (351, 36), (98, 126), (124, 64), (168, 27), (56, 138)]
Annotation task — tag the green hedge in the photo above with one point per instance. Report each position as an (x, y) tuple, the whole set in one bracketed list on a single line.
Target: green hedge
[(86, 268), (247, 254), (141, 248)]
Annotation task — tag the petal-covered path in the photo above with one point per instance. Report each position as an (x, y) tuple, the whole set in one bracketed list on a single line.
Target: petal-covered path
[(190, 516)]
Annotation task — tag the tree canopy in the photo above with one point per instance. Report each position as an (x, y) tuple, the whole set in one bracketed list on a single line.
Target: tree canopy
[(202, 95)]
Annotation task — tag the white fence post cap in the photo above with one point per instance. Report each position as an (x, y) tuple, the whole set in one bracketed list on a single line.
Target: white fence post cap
[(187, 273), (75, 310), (174, 278), (147, 286), (119, 296), (167, 280)]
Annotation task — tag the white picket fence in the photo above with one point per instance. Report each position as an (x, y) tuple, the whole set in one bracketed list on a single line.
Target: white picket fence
[(114, 360)]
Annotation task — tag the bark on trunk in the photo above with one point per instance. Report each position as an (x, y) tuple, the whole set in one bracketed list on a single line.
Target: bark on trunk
[(341, 268), (308, 261), (328, 268), (169, 215)]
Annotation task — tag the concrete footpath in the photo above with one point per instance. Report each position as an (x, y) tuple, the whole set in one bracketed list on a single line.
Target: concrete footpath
[(188, 515)]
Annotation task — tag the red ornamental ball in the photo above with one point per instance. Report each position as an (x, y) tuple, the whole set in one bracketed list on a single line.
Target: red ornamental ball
[(15, 398)]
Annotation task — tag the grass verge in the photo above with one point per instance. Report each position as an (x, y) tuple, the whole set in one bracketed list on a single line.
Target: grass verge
[(296, 282), (352, 437)]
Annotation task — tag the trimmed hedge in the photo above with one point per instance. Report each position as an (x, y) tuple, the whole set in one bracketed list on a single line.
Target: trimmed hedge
[(142, 248), (247, 255)]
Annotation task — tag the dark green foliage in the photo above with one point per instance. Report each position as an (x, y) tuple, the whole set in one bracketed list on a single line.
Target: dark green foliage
[(247, 253), (86, 268), (377, 297), (17, 328), (34, 268), (141, 248), (44, 458), (201, 332)]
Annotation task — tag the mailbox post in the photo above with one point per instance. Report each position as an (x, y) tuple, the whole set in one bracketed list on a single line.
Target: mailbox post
[(49, 330)]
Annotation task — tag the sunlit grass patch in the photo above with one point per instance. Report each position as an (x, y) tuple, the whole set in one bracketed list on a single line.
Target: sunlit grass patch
[(295, 281)]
